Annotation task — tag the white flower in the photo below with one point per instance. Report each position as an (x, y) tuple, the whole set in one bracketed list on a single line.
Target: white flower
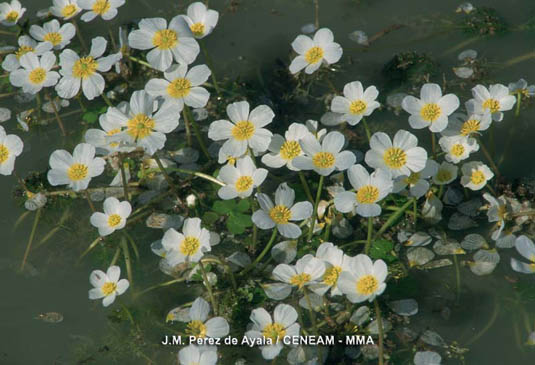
[(77, 170), (283, 150), (107, 285), (84, 71), (313, 52), (165, 42), (182, 86), (496, 100), (51, 32), (526, 248), (106, 9), (446, 173), (307, 270), (194, 355), (335, 262), (521, 86), (200, 19), (35, 201), (35, 72), (113, 218), (65, 9), (400, 157), (356, 102), (282, 213), (326, 157), (143, 125), (464, 125), (416, 181), (10, 147), (313, 127), (26, 45), (244, 129), (188, 246), (240, 180), (365, 279), (11, 13), (369, 190), (431, 110), (200, 326), (458, 148), (475, 175), (273, 330), (497, 211)]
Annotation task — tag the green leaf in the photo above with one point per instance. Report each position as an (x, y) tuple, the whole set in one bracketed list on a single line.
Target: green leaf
[(234, 227), (224, 206), (90, 117), (210, 218), (241, 219), (243, 206), (380, 249)]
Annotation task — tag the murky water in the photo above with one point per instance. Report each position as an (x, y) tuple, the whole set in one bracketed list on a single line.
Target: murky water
[(250, 37)]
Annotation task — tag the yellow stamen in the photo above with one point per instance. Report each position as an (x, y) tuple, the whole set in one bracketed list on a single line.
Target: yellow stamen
[(108, 288), (4, 154), (243, 183), (114, 220), (274, 331), (197, 29), (101, 7), (190, 245), (84, 67), (196, 328), (367, 194), (12, 16), (68, 10), (290, 150), (430, 112), (357, 107), (280, 214), (492, 104), (37, 76), (77, 171), (179, 88), (477, 177), (413, 178), (53, 37), (395, 157), (243, 130), (331, 275), (457, 150), (165, 39), (323, 160), (367, 285), (314, 54), (469, 127), (140, 126), (300, 280), (22, 51)]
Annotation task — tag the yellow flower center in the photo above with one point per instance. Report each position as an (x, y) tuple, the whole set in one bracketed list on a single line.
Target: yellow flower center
[(492, 104), (22, 51), (290, 150), (457, 150), (243, 183), (179, 88), (77, 171), (12, 16), (430, 112), (84, 67), (243, 130), (108, 288), (331, 275), (68, 10), (367, 194), (300, 280), (101, 6), (395, 157), (190, 245), (280, 214), (477, 177), (197, 29), (444, 175), (4, 154), (53, 37), (470, 126), (314, 54), (114, 220), (231, 160), (357, 107), (323, 160), (367, 285), (196, 328), (113, 131), (165, 39), (140, 126), (37, 76), (413, 178), (274, 331)]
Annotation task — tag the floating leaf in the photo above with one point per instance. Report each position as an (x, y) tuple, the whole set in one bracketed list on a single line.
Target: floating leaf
[(427, 358), (470, 208), (418, 239), (418, 256), (284, 252), (460, 221), (277, 291), (436, 264), (404, 307), (50, 317), (448, 247), (360, 316), (473, 241), (432, 338)]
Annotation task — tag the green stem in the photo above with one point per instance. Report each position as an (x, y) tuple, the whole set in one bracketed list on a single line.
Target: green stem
[(315, 212), (489, 158), (369, 236), (518, 102), (127, 260), (80, 37), (60, 123), (415, 212), (316, 14), (106, 100), (208, 287), (262, 254), (457, 280), (393, 218), (161, 285), (167, 177), (132, 243), (489, 324), (123, 177), (305, 186), (91, 246), (433, 144), (115, 256), (311, 311), (191, 172), (141, 62), (380, 328), (30, 240), (367, 129), (189, 118), (211, 67)]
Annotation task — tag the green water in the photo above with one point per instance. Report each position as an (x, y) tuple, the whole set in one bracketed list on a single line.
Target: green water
[(250, 37)]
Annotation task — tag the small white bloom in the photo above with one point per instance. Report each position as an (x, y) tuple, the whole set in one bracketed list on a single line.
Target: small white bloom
[(356, 102), (188, 246), (200, 326), (10, 13), (495, 100), (65, 9), (466, 8), (245, 129), (200, 19), (75, 170), (400, 157), (283, 150), (313, 52), (194, 355), (143, 125), (10, 147), (475, 175), (326, 157), (282, 213), (35, 72), (369, 190), (458, 148), (84, 71), (464, 125), (52, 33), (113, 218), (165, 42), (497, 211), (365, 279), (526, 248), (106, 9), (416, 181), (521, 86), (107, 285), (431, 110), (182, 86), (335, 262), (35, 201), (26, 45), (446, 173), (308, 270), (273, 330), (240, 180)]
